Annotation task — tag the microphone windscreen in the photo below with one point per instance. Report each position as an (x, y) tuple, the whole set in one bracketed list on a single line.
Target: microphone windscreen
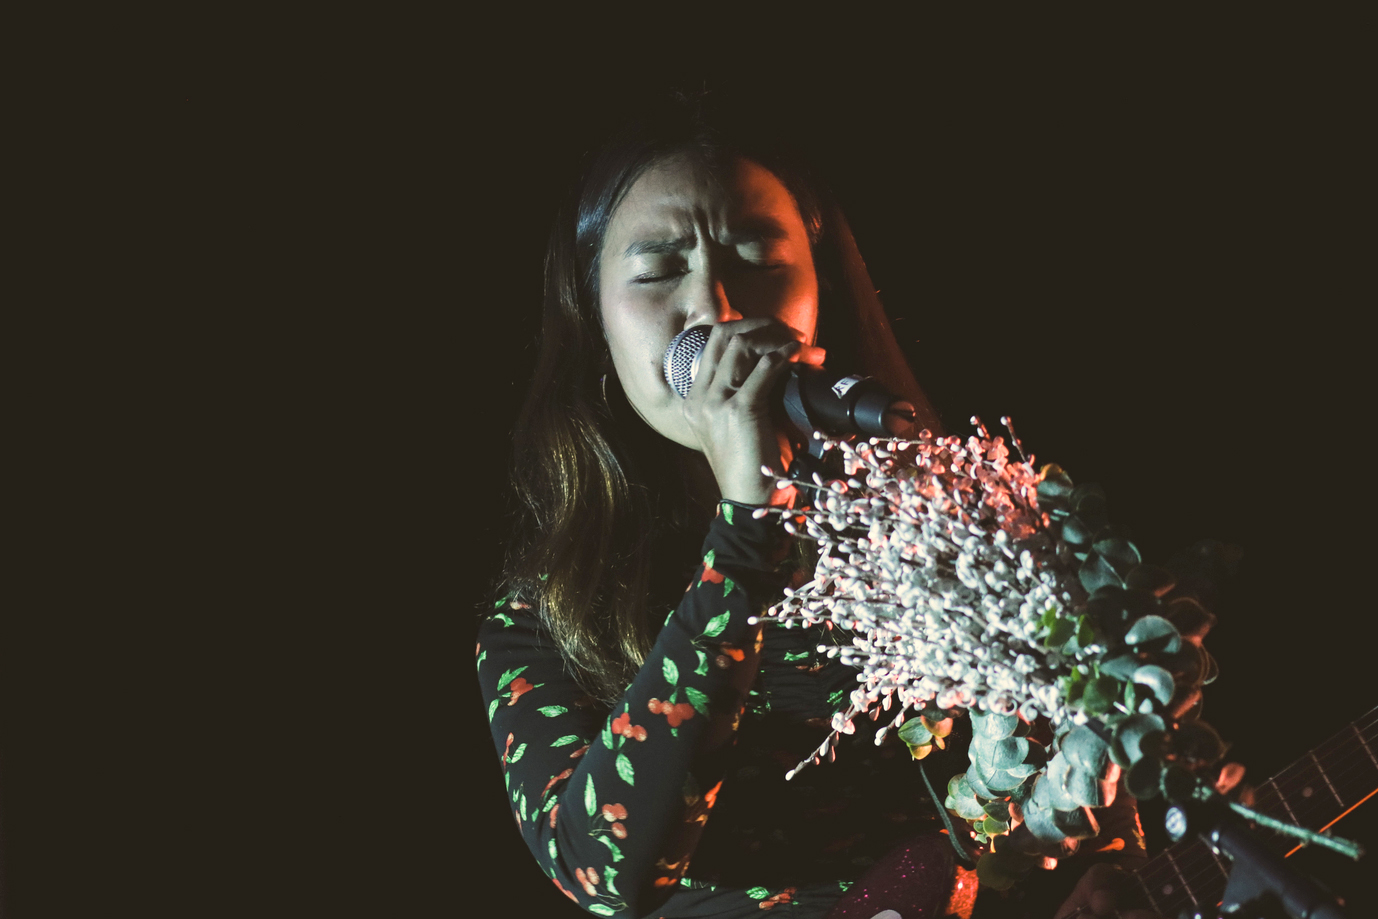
[(682, 358)]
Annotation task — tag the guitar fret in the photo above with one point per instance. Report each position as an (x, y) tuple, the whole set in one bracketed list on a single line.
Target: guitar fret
[(1278, 791), (1371, 757), (1181, 874), (1328, 784), (1183, 878), (1152, 901)]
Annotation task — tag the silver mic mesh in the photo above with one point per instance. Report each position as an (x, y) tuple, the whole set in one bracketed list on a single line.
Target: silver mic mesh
[(682, 358)]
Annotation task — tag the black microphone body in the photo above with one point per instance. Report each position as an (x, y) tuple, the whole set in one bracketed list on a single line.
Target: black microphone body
[(813, 399)]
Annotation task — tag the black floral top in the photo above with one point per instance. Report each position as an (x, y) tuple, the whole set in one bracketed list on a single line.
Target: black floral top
[(615, 804)]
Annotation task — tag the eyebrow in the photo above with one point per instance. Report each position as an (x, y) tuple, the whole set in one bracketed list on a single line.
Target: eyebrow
[(659, 246), (753, 231)]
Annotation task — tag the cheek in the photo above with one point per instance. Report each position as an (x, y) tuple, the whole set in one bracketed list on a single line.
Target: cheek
[(799, 303), (636, 342)]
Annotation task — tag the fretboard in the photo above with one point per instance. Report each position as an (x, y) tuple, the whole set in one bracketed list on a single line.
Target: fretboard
[(1313, 792)]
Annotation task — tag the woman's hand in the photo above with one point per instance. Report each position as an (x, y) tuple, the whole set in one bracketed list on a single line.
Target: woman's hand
[(1097, 893), (729, 408)]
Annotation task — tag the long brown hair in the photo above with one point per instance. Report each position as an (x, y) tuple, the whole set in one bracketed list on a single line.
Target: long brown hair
[(606, 534)]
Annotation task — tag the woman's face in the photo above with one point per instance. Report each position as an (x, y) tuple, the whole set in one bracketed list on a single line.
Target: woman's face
[(683, 249)]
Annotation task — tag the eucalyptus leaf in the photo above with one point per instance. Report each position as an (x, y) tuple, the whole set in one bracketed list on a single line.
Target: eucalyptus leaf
[(1055, 487), (975, 783), (1192, 619), (1062, 630), (1010, 752), (959, 787), (993, 726), (1085, 750), (1121, 667), (1075, 532), (1078, 823), (1101, 695), (1050, 789), (914, 733), (1087, 497), (993, 826), (1119, 552), (1131, 731), (1086, 789), (1000, 810), (970, 809), (1144, 779), (1196, 740), (1155, 631), (1151, 578), (1156, 679), (1096, 572), (1042, 824), (1178, 784)]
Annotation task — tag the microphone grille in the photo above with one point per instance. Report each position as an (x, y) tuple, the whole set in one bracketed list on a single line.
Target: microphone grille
[(682, 358)]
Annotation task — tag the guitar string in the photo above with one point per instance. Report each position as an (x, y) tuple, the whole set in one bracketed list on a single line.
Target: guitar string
[(1200, 871)]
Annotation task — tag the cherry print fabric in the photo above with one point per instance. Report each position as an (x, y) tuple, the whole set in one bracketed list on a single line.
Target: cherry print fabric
[(673, 802)]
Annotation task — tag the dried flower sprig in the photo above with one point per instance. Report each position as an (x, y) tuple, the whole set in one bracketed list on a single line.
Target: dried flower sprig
[(968, 580)]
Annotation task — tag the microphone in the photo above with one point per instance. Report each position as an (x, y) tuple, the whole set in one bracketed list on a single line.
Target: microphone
[(813, 399)]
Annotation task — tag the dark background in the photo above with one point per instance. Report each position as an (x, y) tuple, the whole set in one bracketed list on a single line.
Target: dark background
[(277, 443)]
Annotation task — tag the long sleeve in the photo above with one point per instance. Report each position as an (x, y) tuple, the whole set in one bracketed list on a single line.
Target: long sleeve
[(612, 804)]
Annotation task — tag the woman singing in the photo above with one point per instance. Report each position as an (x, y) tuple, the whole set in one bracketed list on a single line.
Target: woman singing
[(644, 723)]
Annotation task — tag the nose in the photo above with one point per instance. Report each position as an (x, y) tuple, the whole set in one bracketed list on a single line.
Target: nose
[(706, 300)]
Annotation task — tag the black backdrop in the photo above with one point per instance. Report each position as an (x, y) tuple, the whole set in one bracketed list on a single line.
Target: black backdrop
[(286, 492)]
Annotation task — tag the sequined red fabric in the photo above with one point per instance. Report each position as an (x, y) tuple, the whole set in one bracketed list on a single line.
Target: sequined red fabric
[(917, 879)]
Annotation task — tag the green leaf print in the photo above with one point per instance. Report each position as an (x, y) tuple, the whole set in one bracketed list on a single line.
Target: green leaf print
[(708, 559), (502, 601), (590, 798), (552, 711), (508, 677), (758, 893), (624, 769), (717, 624), (598, 909), (566, 740), (521, 803), (701, 669), (609, 874), (607, 735), (479, 662), (554, 853), (550, 801), (521, 748), (612, 847), (505, 619), (697, 699), (671, 672), (727, 586), (492, 708), (727, 513), (792, 656)]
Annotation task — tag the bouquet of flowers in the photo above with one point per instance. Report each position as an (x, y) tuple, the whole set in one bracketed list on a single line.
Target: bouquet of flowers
[(973, 583)]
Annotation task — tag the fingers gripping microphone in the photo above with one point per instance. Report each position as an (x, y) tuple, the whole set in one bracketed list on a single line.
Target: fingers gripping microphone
[(813, 399)]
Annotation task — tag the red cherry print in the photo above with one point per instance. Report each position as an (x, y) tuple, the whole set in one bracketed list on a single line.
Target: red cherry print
[(654, 706), (685, 711), (553, 811), (640, 732), (619, 831), (519, 688)]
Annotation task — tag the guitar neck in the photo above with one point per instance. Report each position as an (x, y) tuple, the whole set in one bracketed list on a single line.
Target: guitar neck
[(1313, 792)]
